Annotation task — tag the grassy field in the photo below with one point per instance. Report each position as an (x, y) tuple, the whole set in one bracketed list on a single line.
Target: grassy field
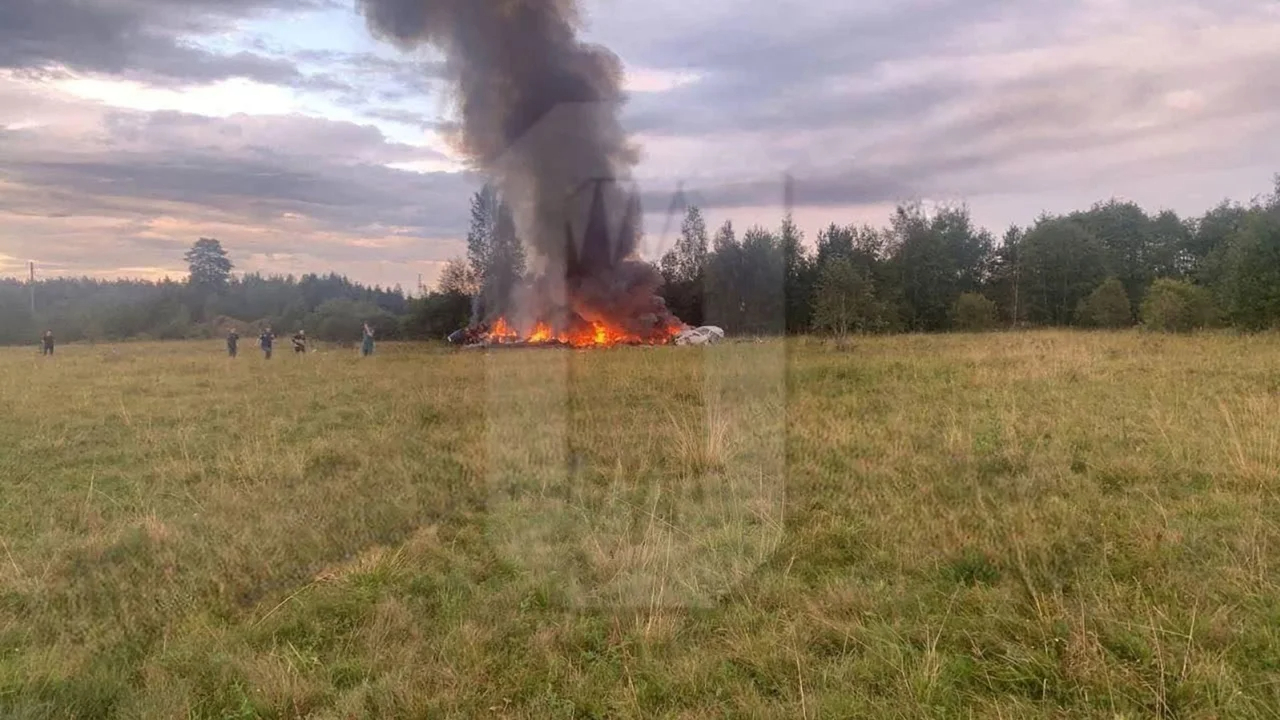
[(992, 526)]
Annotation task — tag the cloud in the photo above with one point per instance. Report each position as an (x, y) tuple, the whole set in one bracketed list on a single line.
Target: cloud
[(139, 39), (866, 104), (409, 118), (83, 185), (934, 96)]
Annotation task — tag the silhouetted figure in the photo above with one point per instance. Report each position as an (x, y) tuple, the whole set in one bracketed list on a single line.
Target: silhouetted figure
[(264, 341), (300, 342), (366, 346), (233, 342), (46, 343)]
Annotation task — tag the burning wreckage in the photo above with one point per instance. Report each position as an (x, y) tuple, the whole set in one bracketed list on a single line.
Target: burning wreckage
[(539, 115), (586, 335), (589, 299)]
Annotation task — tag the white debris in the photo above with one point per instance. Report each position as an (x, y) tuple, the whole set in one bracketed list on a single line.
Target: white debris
[(707, 334)]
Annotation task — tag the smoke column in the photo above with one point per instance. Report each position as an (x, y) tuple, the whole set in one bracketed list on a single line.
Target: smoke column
[(539, 114)]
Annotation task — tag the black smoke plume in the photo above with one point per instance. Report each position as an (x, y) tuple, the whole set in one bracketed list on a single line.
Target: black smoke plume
[(539, 114)]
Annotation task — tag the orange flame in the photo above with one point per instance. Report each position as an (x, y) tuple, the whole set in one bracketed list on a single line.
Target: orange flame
[(502, 331), (596, 334)]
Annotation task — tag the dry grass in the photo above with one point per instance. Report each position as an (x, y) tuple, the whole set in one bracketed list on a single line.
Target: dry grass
[(1020, 526)]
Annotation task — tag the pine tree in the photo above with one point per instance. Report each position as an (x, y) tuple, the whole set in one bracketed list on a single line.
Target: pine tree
[(208, 264)]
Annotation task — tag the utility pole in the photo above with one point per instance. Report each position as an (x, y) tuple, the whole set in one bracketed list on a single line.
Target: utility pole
[(32, 286)]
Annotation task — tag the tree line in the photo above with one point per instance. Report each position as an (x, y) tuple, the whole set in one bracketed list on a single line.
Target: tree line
[(1113, 265), (206, 304)]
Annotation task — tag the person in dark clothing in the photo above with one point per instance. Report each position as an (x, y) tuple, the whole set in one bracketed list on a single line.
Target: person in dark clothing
[(265, 340), (46, 343), (233, 340), (300, 342)]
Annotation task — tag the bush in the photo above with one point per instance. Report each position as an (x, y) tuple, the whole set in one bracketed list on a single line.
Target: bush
[(1252, 294), (845, 300), (436, 315), (342, 319), (1106, 307), (973, 313), (1177, 306)]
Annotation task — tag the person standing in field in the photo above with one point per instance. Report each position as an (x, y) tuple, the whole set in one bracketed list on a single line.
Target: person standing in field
[(264, 341), (366, 346), (46, 343), (299, 342), (233, 340)]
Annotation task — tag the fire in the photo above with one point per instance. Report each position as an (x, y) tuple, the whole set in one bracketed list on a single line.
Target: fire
[(541, 334), (502, 332), (590, 334)]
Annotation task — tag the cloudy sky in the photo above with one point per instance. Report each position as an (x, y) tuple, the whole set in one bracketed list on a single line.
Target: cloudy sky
[(129, 128)]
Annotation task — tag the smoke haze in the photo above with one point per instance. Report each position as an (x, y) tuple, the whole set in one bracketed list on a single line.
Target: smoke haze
[(539, 114)]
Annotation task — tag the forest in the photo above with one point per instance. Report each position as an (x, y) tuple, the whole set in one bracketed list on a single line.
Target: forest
[(206, 304), (929, 269)]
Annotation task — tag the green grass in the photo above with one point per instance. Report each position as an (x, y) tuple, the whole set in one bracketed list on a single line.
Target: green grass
[(1008, 525)]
